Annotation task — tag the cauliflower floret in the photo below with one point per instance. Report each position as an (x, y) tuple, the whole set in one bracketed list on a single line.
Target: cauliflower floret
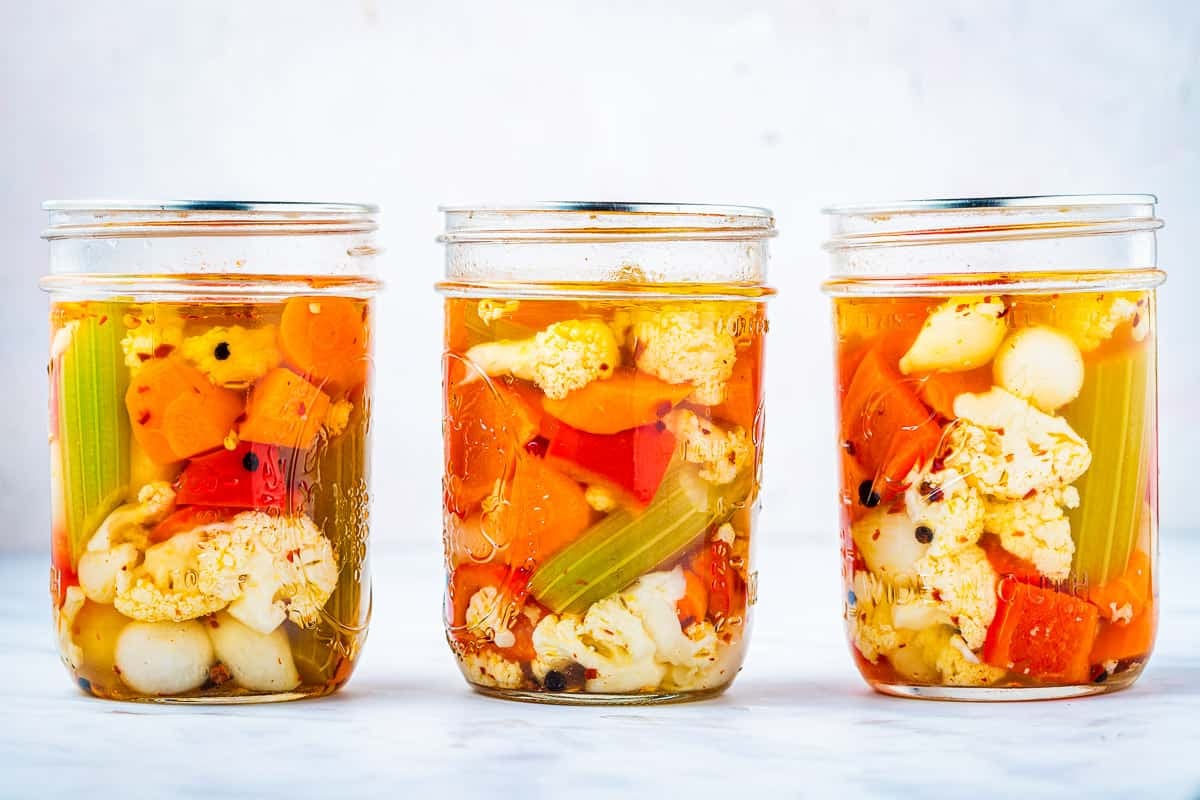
[(164, 587), (234, 357), (726, 533), (693, 345), (565, 356), (116, 545), (1005, 447), (600, 498), (1037, 529), (942, 655), (269, 568), (946, 504), (489, 668), (491, 310), (960, 334), (486, 617), (633, 641), (721, 454), (963, 584), (73, 600), (155, 334), (1090, 319), (869, 617)]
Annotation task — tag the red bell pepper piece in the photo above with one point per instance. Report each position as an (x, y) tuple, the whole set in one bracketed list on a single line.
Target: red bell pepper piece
[(885, 426), (1041, 633), (252, 476), (631, 463), (187, 518)]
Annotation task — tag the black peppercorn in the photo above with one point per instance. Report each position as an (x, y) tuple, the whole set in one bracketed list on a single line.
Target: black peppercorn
[(924, 534), (867, 494), (554, 681), (250, 461), (221, 351)]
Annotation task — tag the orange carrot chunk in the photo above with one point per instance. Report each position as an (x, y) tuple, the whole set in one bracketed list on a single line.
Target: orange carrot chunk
[(177, 412), (1118, 641), (1128, 594), (325, 339), (1041, 633), (629, 399), (541, 511), (285, 410), (693, 606)]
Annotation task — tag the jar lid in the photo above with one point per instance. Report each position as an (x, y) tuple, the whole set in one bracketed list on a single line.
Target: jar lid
[(560, 221), (89, 218)]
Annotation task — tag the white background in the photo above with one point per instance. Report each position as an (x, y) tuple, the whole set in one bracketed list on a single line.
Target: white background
[(786, 104)]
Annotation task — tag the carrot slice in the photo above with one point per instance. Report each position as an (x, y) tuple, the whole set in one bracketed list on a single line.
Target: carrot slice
[(486, 422), (542, 511), (939, 389), (285, 410), (326, 339), (693, 606), (629, 399), (884, 425), (1128, 593), (1121, 640), (177, 412), (1041, 633)]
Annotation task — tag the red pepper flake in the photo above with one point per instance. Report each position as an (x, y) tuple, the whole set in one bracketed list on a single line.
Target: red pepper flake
[(603, 366), (1018, 533), (144, 418), (1030, 494), (163, 350), (103, 319), (875, 535), (962, 307), (144, 356), (662, 409), (1137, 318), (591, 674), (301, 409), (936, 594), (142, 389)]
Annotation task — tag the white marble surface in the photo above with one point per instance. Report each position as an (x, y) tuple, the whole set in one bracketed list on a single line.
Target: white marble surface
[(797, 723)]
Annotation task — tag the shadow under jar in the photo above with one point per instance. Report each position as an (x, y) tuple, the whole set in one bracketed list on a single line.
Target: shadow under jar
[(210, 413), (603, 440), (996, 387)]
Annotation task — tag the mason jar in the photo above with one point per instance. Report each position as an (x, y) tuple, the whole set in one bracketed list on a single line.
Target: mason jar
[(603, 425), (996, 394), (210, 415)]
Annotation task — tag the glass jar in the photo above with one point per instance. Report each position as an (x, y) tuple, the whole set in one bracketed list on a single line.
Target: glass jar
[(210, 414), (996, 387), (603, 439)]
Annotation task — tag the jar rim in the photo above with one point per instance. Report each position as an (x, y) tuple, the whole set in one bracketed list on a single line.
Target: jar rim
[(602, 221), (1015, 201), (117, 218)]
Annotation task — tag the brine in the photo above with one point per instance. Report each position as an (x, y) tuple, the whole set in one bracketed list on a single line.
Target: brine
[(600, 489), (998, 490), (211, 490)]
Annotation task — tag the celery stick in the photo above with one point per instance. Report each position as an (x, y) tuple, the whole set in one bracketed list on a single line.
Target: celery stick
[(621, 547), (340, 479), (1112, 414), (93, 425)]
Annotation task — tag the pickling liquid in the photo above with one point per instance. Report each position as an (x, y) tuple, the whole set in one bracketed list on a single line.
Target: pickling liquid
[(600, 487), (998, 491), (211, 493)]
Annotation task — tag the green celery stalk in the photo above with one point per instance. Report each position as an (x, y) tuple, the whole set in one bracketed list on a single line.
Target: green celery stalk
[(340, 507), (622, 547), (94, 430), (1113, 415)]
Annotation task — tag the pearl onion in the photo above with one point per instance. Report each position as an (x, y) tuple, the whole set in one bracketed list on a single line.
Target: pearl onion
[(1041, 365), (164, 658)]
